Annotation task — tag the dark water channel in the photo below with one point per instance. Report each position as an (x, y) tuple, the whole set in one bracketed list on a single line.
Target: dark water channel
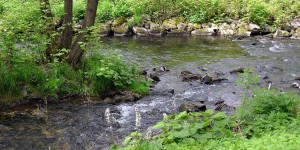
[(78, 124)]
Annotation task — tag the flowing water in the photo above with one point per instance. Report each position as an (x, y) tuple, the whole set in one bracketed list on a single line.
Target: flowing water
[(78, 124)]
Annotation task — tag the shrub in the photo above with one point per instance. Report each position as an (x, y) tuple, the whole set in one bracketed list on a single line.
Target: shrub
[(104, 12)]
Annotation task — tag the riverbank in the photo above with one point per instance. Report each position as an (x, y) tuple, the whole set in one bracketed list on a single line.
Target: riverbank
[(177, 27)]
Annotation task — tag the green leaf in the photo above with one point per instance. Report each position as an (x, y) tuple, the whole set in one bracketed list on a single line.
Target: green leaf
[(208, 113), (182, 115), (219, 115), (127, 140), (183, 133), (159, 125)]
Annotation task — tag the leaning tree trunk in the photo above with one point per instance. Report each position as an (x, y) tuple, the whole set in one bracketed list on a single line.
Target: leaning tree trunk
[(47, 17), (68, 21), (89, 20)]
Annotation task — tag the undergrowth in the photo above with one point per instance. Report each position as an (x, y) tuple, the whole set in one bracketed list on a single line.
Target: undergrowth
[(269, 120)]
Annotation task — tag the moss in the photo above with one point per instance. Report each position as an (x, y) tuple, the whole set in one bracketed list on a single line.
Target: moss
[(119, 21), (121, 30)]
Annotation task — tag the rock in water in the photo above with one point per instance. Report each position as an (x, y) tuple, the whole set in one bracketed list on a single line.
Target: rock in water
[(192, 107), (237, 70)]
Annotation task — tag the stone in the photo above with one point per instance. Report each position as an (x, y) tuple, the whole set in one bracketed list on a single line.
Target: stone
[(140, 31), (182, 26), (243, 32), (267, 29), (254, 29), (295, 23), (105, 29), (169, 24), (237, 70), (205, 31), (297, 78), (178, 32), (226, 30), (122, 30), (156, 30), (231, 100), (296, 34), (119, 21), (282, 33), (192, 107), (189, 76), (206, 79)]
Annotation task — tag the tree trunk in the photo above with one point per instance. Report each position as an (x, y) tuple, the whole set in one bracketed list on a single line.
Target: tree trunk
[(47, 17), (89, 20), (68, 21)]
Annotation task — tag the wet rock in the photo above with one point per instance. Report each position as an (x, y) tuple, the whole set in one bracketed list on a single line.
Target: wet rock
[(254, 29), (178, 32), (206, 79), (226, 30), (205, 31), (297, 78), (163, 92), (156, 30), (287, 27), (154, 77), (189, 76), (154, 112), (123, 97), (282, 33), (122, 30), (192, 107), (296, 85), (140, 31), (204, 69), (105, 29), (237, 70), (296, 34)]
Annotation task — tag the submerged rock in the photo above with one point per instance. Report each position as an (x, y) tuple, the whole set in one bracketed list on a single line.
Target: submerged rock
[(192, 107), (122, 97)]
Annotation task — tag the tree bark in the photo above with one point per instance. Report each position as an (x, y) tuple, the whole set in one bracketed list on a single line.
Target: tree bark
[(89, 20), (68, 21)]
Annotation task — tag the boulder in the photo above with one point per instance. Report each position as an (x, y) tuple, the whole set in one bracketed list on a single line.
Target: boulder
[(282, 33), (296, 34), (205, 31), (226, 30), (243, 32), (119, 21), (254, 29), (122, 30), (182, 26), (189, 76), (295, 23), (105, 29), (178, 32), (237, 70), (156, 30), (169, 24), (140, 31), (122, 97), (267, 29), (192, 107)]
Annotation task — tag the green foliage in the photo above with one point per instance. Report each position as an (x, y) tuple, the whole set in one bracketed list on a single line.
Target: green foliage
[(248, 79), (110, 72), (258, 13), (104, 11), (122, 9)]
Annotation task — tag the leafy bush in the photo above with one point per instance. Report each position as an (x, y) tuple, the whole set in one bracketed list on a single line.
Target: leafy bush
[(104, 12), (258, 13)]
